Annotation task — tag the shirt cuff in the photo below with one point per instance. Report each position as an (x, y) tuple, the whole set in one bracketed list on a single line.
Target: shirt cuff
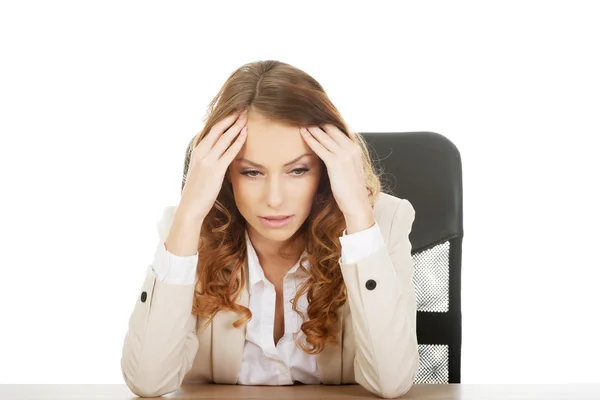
[(361, 244), (173, 269)]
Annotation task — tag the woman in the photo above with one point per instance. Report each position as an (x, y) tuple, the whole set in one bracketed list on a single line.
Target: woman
[(283, 262)]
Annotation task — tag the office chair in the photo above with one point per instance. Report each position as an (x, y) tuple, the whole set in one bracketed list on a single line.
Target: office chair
[(425, 168)]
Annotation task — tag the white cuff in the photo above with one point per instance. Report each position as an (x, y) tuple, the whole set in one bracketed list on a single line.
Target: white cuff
[(173, 269), (361, 244)]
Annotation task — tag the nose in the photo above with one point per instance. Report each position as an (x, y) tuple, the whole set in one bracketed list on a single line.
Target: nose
[(274, 193)]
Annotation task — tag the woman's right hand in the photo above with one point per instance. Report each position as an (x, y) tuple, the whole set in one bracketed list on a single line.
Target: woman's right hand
[(209, 161)]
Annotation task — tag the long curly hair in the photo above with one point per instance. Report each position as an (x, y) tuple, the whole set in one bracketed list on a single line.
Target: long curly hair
[(285, 94)]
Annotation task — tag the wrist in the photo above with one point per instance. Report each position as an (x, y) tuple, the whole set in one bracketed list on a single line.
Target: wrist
[(359, 222)]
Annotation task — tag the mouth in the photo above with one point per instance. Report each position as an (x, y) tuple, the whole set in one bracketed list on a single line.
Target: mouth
[(276, 221)]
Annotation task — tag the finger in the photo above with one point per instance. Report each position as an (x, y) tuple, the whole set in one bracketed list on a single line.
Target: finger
[(216, 141), (222, 126), (235, 148), (317, 147), (226, 139), (325, 140), (228, 121), (339, 137)]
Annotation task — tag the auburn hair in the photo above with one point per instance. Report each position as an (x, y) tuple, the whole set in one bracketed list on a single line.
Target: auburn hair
[(288, 95)]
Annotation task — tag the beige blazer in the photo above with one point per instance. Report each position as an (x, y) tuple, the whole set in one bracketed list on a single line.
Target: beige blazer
[(165, 345)]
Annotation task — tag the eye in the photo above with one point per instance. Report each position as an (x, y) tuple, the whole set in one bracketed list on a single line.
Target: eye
[(298, 172), (301, 170), (247, 173)]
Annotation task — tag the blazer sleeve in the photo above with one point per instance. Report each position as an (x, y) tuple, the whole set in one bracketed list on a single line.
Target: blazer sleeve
[(382, 301), (161, 342)]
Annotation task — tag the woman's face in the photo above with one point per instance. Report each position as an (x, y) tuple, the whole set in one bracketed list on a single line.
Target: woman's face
[(272, 176)]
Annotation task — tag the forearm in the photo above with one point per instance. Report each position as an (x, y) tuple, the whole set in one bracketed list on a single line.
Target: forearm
[(382, 300), (382, 304), (184, 235)]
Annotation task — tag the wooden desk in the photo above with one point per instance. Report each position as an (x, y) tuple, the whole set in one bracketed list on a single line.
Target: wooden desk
[(313, 392)]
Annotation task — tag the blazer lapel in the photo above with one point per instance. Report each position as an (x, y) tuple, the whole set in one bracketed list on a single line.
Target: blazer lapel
[(228, 342), (329, 361)]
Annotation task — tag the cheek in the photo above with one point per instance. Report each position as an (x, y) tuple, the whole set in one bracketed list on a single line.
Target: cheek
[(305, 190), (244, 192)]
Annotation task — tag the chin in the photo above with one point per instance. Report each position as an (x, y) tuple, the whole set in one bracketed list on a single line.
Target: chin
[(279, 234)]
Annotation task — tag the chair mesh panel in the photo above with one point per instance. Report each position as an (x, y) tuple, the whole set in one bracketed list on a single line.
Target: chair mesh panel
[(431, 278), (433, 364)]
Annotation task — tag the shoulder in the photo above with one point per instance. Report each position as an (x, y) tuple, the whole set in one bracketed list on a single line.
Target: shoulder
[(394, 215), (387, 205)]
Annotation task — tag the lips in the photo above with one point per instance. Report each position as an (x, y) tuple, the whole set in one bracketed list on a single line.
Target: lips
[(276, 221)]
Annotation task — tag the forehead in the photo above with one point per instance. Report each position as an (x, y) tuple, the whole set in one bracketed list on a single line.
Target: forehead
[(271, 143)]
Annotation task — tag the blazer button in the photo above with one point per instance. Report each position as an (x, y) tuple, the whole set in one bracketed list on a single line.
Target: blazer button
[(371, 284), (144, 297)]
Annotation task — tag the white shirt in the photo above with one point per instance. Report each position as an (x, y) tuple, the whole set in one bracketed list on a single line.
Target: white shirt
[(263, 363)]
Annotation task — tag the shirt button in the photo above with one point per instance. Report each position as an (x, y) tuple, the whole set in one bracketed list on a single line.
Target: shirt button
[(144, 295), (371, 284)]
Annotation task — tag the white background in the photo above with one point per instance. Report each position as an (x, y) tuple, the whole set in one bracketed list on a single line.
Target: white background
[(99, 100)]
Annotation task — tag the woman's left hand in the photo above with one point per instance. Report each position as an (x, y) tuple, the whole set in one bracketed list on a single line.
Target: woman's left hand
[(343, 158)]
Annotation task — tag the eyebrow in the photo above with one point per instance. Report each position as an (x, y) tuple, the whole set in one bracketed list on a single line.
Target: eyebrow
[(285, 165)]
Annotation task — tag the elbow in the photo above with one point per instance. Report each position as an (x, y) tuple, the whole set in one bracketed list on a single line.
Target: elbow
[(392, 382), (389, 391), (147, 387), (394, 391), (145, 383), (398, 387), (141, 391), (153, 374)]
